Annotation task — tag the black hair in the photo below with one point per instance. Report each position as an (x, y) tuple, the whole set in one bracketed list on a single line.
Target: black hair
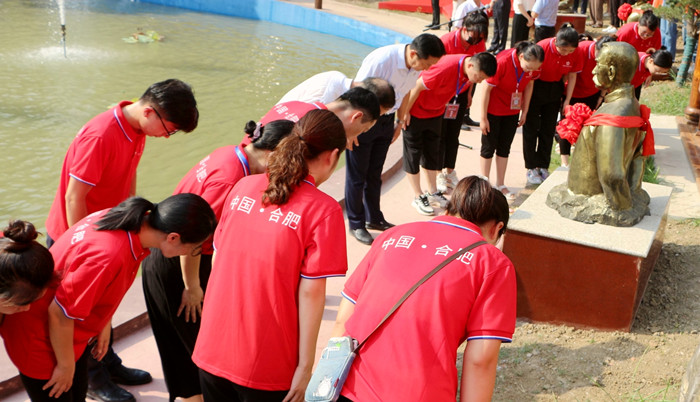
[(529, 50), (662, 58), (603, 40), (428, 45), (567, 36), (476, 201), (477, 21), (186, 214), (382, 89), (268, 136), (363, 100), (175, 101), (26, 267), (485, 62), (649, 20), (584, 37)]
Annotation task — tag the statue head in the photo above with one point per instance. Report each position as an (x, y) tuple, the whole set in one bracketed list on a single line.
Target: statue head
[(616, 64)]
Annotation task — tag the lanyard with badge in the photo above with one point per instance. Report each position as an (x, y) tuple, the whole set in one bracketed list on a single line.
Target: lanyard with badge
[(516, 98), (452, 108)]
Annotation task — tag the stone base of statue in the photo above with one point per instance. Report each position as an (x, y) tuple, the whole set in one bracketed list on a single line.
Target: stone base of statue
[(596, 209), (579, 274)]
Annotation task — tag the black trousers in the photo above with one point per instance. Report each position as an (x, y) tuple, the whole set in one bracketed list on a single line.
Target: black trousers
[(520, 31), (543, 32), (436, 11), (449, 144), (613, 6), (541, 122), (363, 173), (501, 133), (501, 12), (591, 102), (76, 393), (218, 389)]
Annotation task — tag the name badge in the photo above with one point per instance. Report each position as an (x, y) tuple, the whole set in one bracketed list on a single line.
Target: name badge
[(451, 110), (516, 101)]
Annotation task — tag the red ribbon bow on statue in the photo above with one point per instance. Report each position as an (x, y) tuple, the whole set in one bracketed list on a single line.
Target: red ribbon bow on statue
[(624, 11)]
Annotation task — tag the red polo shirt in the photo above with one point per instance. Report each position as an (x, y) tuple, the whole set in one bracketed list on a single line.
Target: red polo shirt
[(97, 269), (505, 83), (454, 44), (642, 73), (292, 111), (584, 82), (444, 81), (213, 178), (556, 66), (249, 332), (104, 155), (630, 33), (412, 356)]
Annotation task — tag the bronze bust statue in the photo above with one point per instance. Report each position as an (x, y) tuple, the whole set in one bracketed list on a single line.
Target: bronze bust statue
[(607, 165)]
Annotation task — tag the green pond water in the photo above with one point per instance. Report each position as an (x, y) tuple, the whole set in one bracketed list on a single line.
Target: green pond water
[(238, 68)]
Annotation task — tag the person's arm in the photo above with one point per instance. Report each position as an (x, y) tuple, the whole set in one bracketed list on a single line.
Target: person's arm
[(312, 299), (76, 204), (571, 83), (400, 122), (345, 311), (404, 112), (484, 121), (527, 95), (193, 294), (99, 348), (61, 336), (479, 370)]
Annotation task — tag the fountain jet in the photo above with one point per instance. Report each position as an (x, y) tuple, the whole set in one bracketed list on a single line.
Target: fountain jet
[(62, 16)]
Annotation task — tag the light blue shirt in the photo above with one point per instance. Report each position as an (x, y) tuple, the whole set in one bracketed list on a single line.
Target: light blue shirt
[(546, 12)]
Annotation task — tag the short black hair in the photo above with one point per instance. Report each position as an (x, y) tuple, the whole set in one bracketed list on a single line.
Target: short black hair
[(477, 21), (174, 99), (529, 50), (662, 58), (486, 62), (649, 20), (428, 45), (364, 100), (603, 40), (382, 89), (567, 36)]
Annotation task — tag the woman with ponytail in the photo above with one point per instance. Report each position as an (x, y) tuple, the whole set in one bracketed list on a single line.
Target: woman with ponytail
[(97, 260), (650, 63), (174, 287), (278, 239)]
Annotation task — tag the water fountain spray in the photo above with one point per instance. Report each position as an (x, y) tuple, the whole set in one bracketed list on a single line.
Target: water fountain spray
[(62, 15)]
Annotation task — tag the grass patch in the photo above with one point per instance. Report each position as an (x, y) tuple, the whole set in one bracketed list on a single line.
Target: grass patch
[(651, 171), (665, 97)]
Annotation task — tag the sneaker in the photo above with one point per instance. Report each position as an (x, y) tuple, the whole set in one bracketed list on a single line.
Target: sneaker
[(533, 176), (544, 173), (610, 30), (422, 205), (442, 182), (438, 198), (452, 179)]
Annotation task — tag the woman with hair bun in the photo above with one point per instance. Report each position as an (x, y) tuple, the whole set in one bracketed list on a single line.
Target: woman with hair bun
[(658, 62), (278, 239), (411, 357), (26, 268), (97, 260), (174, 287)]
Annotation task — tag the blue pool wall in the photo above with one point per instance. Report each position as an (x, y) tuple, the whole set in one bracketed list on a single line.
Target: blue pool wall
[(296, 16)]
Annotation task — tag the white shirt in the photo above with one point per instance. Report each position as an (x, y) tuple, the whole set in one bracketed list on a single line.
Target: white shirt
[(462, 11), (323, 87), (528, 4), (389, 62), (546, 12)]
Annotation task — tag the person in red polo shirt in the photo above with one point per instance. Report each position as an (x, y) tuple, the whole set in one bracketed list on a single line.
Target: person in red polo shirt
[(660, 62), (433, 98), (278, 239), (174, 287), (562, 61), (505, 105), (98, 259), (643, 35), (411, 357), (99, 171)]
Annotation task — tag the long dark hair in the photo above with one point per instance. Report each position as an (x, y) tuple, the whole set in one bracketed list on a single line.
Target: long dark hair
[(267, 137), (318, 131), (26, 267), (567, 36), (476, 201), (186, 214)]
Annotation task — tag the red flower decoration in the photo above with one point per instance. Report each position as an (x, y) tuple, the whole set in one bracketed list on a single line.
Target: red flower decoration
[(570, 127), (624, 11)]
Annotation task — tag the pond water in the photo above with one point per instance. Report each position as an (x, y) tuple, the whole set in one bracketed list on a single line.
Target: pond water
[(238, 68)]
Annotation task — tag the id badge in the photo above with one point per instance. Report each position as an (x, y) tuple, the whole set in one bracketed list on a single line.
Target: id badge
[(516, 100), (451, 110)]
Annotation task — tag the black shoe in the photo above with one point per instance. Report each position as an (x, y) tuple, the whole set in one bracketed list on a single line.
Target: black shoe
[(362, 235), (465, 127), (110, 392), (468, 121), (383, 225), (433, 27), (129, 376)]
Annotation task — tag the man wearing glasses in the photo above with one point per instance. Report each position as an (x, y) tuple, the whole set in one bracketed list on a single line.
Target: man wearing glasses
[(99, 171)]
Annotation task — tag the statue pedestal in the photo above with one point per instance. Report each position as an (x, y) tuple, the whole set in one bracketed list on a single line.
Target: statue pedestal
[(584, 275)]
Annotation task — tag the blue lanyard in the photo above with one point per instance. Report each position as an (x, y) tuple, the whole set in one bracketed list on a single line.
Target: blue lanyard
[(243, 160), (459, 73), (518, 78)]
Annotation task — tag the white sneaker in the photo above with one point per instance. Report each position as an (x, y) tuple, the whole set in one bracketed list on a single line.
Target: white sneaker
[(452, 179), (610, 30), (544, 173), (533, 176), (437, 198), (442, 182), (422, 205)]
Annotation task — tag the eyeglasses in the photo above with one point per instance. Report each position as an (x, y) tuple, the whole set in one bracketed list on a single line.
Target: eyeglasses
[(167, 133)]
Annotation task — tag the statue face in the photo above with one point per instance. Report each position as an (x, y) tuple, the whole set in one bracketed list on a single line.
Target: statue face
[(603, 73)]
